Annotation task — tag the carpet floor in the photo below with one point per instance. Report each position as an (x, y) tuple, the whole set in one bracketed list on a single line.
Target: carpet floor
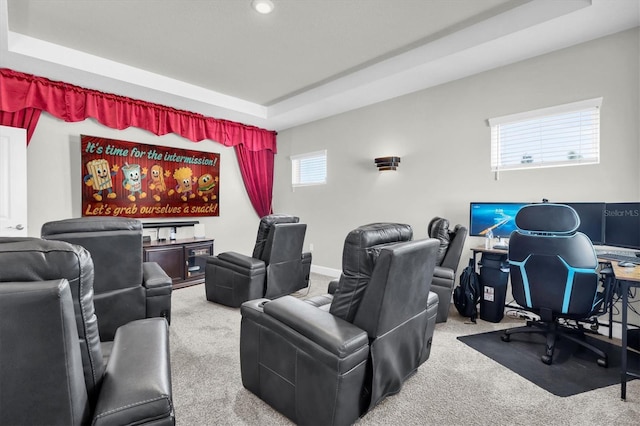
[(456, 386), (574, 369)]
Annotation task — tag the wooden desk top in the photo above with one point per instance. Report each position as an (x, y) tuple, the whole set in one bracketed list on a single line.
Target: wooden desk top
[(481, 249), (627, 274)]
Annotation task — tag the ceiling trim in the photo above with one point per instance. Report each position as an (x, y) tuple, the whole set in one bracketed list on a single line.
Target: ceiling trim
[(525, 31)]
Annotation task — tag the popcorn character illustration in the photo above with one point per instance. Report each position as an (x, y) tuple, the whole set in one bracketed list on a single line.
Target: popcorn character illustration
[(133, 180), (157, 184), (99, 177), (206, 186), (185, 180)]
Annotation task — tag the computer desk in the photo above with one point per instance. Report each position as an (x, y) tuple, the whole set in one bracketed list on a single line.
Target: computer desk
[(627, 278), (482, 249)]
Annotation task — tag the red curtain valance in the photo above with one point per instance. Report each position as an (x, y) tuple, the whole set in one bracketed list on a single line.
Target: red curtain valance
[(24, 96), (73, 103)]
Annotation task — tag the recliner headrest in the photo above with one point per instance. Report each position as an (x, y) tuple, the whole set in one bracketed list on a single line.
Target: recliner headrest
[(90, 224), (361, 248), (439, 228), (115, 244), (362, 244), (546, 218), (263, 230), (400, 284)]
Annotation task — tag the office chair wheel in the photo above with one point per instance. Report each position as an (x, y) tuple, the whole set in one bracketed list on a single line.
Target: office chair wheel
[(506, 337), (602, 362), (546, 359)]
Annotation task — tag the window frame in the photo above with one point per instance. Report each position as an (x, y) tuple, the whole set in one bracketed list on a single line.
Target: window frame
[(295, 176), (589, 106)]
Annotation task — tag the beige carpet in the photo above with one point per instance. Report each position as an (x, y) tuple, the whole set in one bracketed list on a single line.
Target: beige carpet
[(456, 386)]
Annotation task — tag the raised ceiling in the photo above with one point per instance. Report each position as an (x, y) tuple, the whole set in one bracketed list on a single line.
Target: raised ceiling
[(307, 60)]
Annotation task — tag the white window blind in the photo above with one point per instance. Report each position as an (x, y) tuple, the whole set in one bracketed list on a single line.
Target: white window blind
[(309, 168), (562, 135)]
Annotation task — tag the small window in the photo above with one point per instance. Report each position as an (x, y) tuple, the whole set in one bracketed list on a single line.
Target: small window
[(564, 135), (309, 168)]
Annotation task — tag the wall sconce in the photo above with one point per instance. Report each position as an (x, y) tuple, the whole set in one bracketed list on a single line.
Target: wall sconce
[(387, 163)]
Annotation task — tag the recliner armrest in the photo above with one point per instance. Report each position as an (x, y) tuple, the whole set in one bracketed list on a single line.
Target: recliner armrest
[(137, 381), (330, 332), (240, 260), (442, 272), (333, 285), (155, 279)]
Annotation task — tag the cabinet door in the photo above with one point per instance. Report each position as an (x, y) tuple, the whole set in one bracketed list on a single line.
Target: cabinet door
[(196, 258), (171, 259)]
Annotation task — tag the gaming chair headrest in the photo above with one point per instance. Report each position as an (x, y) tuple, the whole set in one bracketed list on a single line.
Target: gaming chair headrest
[(547, 218)]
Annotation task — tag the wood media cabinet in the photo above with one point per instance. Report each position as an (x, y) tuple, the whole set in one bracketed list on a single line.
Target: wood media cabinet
[(183, 260)]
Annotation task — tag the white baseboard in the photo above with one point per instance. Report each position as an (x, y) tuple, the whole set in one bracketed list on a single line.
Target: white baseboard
[(329, 272), (616, 330)]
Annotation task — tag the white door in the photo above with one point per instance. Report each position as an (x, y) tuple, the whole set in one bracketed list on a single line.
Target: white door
[(13, 182)]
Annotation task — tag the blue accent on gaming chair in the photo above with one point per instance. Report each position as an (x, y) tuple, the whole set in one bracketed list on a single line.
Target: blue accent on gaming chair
[(554, 274)]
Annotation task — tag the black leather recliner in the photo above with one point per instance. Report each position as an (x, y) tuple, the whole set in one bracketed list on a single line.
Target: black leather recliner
[(277, 266), (126, 288), (53, 368), (449, 252), (330, 359)]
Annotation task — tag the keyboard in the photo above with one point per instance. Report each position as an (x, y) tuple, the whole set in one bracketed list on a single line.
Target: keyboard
[(619, 257)]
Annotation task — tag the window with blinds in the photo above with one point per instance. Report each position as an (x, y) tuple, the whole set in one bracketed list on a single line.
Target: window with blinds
[(563, 135), (309, 169)]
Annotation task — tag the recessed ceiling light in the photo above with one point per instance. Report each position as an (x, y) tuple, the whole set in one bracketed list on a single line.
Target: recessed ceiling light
[(262, 6)]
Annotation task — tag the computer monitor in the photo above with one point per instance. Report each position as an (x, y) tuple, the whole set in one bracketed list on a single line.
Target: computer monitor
[(622, 225), (497, 217), (591, 220)]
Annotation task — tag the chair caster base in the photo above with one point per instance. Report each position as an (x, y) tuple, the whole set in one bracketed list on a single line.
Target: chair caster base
[(546, 359), (506, 338), (602, 362)]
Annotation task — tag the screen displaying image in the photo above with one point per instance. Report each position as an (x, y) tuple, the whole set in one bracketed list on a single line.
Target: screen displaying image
[(499, 218)]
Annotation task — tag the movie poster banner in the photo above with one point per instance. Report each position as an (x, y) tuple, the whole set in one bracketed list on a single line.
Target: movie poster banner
[(130, 179)]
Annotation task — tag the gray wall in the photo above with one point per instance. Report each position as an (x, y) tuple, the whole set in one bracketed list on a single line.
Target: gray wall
[(443, 138)]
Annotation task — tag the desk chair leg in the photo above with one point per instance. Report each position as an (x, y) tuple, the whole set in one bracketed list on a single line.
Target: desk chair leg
[(603, 360), (529, 328), (550, 345), (553, 332), (506, 336)]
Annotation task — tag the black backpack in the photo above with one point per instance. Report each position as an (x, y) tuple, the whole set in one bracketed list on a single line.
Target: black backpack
[(467, 295)]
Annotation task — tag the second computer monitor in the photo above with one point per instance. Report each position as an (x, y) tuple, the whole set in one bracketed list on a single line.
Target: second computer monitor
[(622, 225), (591, 220)]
